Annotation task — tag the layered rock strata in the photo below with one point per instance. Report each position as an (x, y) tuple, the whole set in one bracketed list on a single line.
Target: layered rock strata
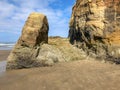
[(95, 27)]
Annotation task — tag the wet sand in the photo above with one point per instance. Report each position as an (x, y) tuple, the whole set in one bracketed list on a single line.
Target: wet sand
[(75, 75), (4, 54)]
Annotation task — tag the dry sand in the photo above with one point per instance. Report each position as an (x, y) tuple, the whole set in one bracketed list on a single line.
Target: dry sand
[(75, 75), (4, 54)]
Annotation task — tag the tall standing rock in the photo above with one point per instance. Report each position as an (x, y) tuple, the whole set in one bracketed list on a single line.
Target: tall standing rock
[(95, 27), (34, 31), (26, 50)]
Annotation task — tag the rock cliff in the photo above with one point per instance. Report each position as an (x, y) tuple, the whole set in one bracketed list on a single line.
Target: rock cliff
[(95, 27), (34, 48)]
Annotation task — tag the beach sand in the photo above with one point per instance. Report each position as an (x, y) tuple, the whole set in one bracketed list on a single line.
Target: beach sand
[(75, 75), (4, 54)]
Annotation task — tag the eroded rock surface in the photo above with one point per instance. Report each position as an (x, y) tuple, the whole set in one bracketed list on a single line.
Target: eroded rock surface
[(95, 27), (34, 33), (31, 52)]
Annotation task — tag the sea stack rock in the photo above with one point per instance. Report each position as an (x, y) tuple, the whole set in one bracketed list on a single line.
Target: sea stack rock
[(26, 50), (35, 31), (95, 27)]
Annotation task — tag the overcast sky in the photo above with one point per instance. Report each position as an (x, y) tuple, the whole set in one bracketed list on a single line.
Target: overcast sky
[(13, 14)]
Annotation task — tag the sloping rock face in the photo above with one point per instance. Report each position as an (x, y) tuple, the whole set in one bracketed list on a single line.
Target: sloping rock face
[(34, 31), (95, 27), (26, 50)]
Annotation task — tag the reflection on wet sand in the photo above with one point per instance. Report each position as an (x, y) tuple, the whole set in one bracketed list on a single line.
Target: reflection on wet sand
[(2, 66)]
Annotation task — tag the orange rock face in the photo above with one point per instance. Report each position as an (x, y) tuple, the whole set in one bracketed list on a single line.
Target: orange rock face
[(95, 27), (35, 30)]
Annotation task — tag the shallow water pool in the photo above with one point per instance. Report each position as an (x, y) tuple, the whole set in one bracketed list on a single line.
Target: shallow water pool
[(2, 66)]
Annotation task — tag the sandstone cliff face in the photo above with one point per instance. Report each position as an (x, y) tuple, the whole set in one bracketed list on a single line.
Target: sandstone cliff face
[(95, 27)]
